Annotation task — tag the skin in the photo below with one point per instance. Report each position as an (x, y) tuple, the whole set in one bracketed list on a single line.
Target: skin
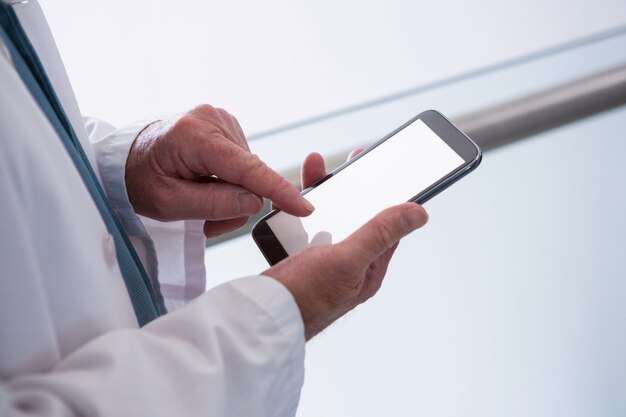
[(328, 281), (199, 166)]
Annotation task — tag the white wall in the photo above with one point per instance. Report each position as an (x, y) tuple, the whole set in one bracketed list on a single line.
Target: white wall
[(276, 61)]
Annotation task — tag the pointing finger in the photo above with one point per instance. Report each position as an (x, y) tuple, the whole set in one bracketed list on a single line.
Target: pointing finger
[(313, 170), (235, 165)]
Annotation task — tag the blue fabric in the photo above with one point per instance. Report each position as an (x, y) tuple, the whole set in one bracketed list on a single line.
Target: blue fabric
[(33, 75)]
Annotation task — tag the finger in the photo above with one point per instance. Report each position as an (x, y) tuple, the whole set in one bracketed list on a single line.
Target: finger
[(218, 228), (210, 201), (313, 169), (232, 164), (354, 153), (382, 232)]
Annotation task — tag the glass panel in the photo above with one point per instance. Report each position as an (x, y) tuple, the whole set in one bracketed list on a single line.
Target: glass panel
[(284, 148), (511, 301)]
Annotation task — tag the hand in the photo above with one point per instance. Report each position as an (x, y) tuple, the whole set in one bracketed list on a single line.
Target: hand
[(199, 166), (328, 281)]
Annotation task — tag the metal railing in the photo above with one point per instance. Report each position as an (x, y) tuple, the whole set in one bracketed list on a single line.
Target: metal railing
[(527, 116)]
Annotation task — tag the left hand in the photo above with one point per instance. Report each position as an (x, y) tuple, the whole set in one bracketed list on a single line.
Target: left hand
[(199, 166), (329, 280)]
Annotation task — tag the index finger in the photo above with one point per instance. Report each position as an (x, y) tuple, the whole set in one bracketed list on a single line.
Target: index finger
[(237, 166)]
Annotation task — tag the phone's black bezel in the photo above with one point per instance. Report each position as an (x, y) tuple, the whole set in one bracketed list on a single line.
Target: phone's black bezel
[(271, 247)]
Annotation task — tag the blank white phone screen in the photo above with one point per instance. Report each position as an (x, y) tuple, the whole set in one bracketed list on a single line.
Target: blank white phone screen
[(394, 172)]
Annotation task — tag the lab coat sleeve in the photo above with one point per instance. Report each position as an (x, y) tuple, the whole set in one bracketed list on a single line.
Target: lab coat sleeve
[(237, 350), (172, 252)]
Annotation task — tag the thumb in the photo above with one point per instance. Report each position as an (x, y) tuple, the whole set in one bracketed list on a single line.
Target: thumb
[(212, 201), (385, 230)]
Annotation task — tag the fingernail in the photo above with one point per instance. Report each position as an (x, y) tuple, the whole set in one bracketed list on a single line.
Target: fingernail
[(249, 203), (414, 218), (307, 205)]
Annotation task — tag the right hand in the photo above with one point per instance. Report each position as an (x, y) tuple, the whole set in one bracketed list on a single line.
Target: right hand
[(199, 166), (328, 281)]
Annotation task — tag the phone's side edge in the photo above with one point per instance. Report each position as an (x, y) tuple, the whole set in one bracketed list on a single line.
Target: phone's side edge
[(447, 182)]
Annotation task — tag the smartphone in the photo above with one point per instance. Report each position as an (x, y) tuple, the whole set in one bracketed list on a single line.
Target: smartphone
[(413, 163)]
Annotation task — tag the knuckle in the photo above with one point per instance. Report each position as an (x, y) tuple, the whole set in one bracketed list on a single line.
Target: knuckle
[(218, 204), (375, 288), (281, 187), (184, 125), (222, 113), (370, 292), (210, 209), (215, 210), (234, 120), (384, 234), (204, 109)]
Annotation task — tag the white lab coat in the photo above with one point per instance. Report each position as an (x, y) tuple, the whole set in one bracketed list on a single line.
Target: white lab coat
[(69, 340)]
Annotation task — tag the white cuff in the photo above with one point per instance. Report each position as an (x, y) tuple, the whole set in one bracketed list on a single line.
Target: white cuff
[(179, 275), (111, 148), (275, 299), (112, 153), (277, 302)]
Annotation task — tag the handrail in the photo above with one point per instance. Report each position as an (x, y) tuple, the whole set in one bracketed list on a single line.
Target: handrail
[(527, 116)]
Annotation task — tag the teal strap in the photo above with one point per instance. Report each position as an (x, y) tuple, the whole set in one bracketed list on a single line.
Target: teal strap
[(33, 75)]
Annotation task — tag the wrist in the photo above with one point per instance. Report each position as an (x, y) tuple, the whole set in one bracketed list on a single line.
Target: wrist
[(134, 171), (315, 311)]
